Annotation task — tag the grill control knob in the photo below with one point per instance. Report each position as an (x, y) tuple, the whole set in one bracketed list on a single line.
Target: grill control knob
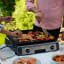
[(28, 50), (52, 47)]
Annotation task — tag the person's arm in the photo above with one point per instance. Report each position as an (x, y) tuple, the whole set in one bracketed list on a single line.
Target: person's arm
[(1, 19), (4, 31), (13, 34), (6, 19), (29, 4), (9, 33), (30, 7)]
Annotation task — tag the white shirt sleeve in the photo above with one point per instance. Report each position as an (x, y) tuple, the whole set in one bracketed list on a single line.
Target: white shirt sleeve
[(1, 26)]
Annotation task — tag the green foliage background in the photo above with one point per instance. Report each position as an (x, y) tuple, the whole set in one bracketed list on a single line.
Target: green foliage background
[(23, 20)]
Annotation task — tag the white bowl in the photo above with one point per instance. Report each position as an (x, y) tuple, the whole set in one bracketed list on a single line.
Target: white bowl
[(55, 62), (18, 58)]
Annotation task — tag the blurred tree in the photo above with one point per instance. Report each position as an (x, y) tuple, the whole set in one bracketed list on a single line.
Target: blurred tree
[(7, 7)]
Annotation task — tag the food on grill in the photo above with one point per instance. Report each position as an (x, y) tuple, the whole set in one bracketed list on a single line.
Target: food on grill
[(37, 32), (26, 37), (25, 61), (51, 37), (34, 36), (30, 32), (59, 58)]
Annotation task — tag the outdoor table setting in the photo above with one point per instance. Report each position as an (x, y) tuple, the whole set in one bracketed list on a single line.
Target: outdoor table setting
[(43, 58), (8, 56)]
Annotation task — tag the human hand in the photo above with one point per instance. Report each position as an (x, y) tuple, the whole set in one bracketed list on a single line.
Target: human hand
[(16, 33), (13, 34), (39, 16), (38, 13), (7, 19)]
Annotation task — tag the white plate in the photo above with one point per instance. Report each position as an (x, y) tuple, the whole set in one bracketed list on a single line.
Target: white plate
[(54, 62), (17, 59)]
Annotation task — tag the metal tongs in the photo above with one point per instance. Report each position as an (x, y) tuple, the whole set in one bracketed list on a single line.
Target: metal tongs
[(44, 30)]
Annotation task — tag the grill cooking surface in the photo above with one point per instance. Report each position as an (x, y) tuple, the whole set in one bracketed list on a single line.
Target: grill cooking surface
[(29, 42)]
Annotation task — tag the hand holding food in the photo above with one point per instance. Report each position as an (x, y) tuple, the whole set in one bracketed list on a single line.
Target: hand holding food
[(16, 33), (39, 16), (34, 9), (7, 19), (38, 13)]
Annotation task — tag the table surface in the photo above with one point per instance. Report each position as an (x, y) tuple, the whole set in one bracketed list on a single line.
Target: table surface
[(44, 58)]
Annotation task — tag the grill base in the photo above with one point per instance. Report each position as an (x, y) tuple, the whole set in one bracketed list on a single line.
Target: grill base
[(33, 48)]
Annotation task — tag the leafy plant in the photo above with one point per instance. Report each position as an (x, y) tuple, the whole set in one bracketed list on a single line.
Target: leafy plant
[(7, 7)]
